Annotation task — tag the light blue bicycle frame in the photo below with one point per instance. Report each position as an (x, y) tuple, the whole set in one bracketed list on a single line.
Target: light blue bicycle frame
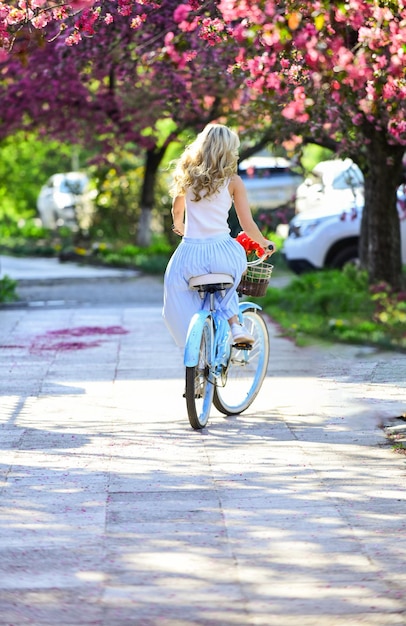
[(220, 346)]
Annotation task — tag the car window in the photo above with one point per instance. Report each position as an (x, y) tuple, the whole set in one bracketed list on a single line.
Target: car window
[(263, 173), (348, 178)]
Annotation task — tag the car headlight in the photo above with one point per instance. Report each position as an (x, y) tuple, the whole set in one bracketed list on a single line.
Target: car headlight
[(306, 227)]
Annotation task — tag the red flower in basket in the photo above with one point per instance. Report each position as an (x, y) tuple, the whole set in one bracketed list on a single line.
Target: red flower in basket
[(252, 249), (254, 281)]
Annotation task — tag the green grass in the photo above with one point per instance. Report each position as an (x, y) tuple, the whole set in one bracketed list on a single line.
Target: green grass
[(339, 306)]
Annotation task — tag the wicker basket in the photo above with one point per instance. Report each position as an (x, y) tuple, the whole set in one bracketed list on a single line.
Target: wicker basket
[(255, 280)]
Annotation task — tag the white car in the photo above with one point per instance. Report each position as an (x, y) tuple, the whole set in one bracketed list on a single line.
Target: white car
[(270, 181), (329, 238), (334, 184), (66, 200)]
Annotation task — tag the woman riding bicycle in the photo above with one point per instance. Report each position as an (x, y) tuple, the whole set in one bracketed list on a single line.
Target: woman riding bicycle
[(204, 188)]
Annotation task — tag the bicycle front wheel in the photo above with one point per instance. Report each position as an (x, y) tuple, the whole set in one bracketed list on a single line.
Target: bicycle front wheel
[(199, 389), (246, 369)]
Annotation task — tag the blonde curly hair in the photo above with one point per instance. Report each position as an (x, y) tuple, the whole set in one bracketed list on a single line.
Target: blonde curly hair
[(206, 163)]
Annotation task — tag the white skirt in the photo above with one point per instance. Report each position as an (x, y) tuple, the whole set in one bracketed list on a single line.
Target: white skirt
[(192, 258)]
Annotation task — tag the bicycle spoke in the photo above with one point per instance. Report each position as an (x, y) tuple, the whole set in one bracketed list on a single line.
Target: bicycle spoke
[(199, 389), (246, 369)]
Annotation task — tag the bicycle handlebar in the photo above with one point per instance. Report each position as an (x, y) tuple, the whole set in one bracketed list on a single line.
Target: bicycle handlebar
[(260, 259)]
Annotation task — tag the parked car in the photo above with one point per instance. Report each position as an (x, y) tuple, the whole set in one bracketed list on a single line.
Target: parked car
[(271, 182), (336, 183), (66, 199), (329, 237)]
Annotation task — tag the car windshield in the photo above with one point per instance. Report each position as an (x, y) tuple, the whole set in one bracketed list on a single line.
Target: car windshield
[(75, 186)]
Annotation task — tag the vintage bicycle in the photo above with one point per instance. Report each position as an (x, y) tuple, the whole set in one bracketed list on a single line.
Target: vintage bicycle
[(219, 371)]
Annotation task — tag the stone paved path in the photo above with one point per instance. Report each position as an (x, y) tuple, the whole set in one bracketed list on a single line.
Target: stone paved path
[(114, 512)]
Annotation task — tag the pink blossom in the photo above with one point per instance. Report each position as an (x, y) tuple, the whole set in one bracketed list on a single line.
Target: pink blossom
[(273, 81), (15, 16), (380, 62), (233, 10), (228, 9), (138, 21), (270, 37), (188, 26), (390, 90), (33, 4), (40, 20), (86, 21), (292, 143), (269, 8), (73, 39), (357, 119), (125, 7), (181, 13), (59, 13), (78, 5), (296, 109), (312, 58), (169, 37), (211, 30), (240, 55), (239, 31), (397, 128), (343, 59)]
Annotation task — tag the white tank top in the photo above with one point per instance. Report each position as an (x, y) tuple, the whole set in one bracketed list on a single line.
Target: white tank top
[(208, 217)]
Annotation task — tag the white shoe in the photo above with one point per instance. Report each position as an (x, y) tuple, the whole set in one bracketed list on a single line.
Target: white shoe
[(241, 334)]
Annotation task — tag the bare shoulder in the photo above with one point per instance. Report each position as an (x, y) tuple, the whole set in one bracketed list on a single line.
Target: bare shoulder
[(235, 183)]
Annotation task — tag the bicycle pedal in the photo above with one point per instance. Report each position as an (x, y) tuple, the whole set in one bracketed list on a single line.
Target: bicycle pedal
[(242, 345)]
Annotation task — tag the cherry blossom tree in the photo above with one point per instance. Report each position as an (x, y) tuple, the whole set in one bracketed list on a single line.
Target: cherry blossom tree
[(115, 88), (336, 73), (333, 73)]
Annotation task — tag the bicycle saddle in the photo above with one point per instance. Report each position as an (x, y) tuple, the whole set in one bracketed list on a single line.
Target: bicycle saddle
[(211, 282)]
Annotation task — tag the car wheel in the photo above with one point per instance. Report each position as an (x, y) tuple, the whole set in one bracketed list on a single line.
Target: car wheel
[(345, 256)]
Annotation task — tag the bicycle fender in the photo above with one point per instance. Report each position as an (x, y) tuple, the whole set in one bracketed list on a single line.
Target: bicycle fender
[(192, 348), (244, 306)]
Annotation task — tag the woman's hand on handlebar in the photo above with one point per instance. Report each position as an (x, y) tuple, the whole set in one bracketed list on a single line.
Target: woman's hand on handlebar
[(269, 247)]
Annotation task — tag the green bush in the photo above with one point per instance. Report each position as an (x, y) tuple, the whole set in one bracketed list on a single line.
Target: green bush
[(324, 293), (152, 260), (7, 289), (339, 306), (26, 162)]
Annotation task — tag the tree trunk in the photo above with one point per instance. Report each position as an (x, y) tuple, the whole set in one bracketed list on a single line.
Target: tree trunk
[(380, 250), (144, 232), (152, 161)]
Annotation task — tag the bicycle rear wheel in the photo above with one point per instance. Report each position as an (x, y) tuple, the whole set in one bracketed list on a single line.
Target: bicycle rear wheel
[(246, 369), (199, 389)]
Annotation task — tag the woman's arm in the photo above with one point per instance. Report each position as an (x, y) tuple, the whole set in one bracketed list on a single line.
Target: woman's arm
[(178, 214), (242, 207)]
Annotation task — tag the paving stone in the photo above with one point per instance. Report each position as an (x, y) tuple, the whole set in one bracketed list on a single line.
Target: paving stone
[(114, 512)]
